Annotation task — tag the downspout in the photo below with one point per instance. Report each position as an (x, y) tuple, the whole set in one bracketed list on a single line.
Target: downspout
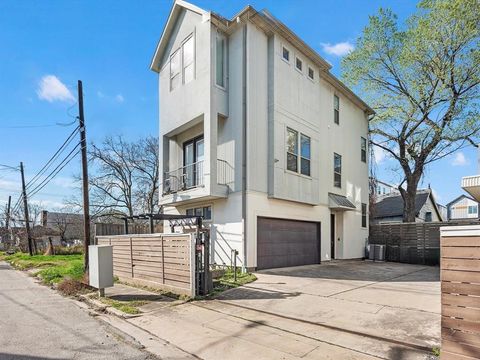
[(244, 147)]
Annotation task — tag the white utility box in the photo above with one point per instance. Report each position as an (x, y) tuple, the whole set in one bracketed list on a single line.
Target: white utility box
[(100, 260)]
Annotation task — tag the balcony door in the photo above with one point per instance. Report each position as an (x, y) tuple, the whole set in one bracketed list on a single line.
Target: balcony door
[(193, 156)]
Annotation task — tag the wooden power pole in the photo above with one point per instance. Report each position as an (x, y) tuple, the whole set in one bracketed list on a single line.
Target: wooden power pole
[(7, 220), (86, 208), (25, 205)]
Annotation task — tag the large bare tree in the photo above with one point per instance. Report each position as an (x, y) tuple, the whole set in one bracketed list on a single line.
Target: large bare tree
[(423, 81)]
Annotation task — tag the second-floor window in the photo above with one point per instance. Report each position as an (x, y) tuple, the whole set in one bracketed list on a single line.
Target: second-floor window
[(220, 60), (336, 109), (296, 141), (337, 170), (363, 149)]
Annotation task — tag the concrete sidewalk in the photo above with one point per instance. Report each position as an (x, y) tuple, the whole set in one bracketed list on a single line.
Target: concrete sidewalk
[(349, 310)]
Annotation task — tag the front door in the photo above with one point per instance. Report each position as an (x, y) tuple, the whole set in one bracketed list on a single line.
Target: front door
[(332, 236), (193, 156)]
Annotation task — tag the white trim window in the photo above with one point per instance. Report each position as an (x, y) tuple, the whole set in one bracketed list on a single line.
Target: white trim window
[(363, 149), (205, 212), (336, 109), (472, 209), (220, 60), (337, 170), (298, 64), (298, 162), (364, 215), (188, 53), (285, 54), (175, 78), (311, 73)]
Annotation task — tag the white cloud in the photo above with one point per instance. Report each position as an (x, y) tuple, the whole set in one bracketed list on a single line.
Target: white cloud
[(459, 159), (338, 49), (119, 98), (50, 88), (379, 154), (100, 94)]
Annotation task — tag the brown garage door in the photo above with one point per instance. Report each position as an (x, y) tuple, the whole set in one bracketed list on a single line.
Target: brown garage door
[(283, 242)]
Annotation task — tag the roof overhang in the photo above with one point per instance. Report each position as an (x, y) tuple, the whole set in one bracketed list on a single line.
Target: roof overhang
[(340, 202), (471, 184), (176, 10)]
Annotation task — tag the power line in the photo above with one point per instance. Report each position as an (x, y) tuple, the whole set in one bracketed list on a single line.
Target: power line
[(55, 171), (53, 158), (37, 126)]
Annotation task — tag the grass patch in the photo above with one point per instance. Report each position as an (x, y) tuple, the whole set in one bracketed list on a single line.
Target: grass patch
[(227, 281), (128, 307), (53, 268)]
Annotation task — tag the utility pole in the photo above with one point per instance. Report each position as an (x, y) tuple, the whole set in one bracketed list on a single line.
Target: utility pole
[(86, 209), (7, 220), (25, 205)]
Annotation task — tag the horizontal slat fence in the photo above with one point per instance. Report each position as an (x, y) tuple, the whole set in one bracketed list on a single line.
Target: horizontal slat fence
[(164, 261), (119, 229), (460, 276), (412, 243)]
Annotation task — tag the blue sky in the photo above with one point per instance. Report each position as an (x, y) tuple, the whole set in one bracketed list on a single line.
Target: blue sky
[(109, 45)]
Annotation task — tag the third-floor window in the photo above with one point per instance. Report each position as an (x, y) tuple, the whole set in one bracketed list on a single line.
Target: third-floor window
[(182, 63), (336, 109), (220, 60)]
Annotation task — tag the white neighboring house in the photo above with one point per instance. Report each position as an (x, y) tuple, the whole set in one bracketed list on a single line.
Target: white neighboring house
[(380, 188), (258, 136), (463, 208)]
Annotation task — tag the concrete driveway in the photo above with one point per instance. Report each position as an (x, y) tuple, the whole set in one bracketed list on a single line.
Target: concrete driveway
[(337, 310)]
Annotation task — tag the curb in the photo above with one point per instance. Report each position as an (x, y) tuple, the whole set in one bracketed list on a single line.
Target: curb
[(103, 308)]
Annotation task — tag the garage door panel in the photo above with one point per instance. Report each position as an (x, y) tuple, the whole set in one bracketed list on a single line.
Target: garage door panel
[(284, 242)]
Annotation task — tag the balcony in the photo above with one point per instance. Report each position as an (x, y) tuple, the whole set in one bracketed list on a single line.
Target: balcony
[(471, 184), (190, 183), (185, 178)]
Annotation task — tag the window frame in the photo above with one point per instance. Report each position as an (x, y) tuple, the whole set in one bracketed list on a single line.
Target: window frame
[(289, 152), (475, 210), (363, 149), (364, 214), (297, 59), (309, 68), (193, 63), (194, 209), (299, 157), (180, 67), (225, 60), (335, 173), (284, 48), (336, 109)]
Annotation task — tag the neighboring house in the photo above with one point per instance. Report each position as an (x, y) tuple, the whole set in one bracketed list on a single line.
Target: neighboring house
[(380, 188), (66, 225), (443, 211), (259, 138), (463, 208), (389, 209)]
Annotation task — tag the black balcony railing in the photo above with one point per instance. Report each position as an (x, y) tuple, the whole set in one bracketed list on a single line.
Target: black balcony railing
[(184, 178)]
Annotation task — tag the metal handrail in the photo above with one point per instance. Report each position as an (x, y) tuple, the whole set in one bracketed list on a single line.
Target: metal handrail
[(184, 178)]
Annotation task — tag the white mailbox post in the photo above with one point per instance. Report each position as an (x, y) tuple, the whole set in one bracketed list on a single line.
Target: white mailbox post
[(100, 273)]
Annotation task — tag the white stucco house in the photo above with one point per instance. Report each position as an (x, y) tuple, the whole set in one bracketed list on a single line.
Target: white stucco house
[(258, 136)]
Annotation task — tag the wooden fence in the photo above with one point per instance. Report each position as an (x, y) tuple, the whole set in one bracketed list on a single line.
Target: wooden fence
[(165, 261), (460, 276), (119, 229), (412, 243)]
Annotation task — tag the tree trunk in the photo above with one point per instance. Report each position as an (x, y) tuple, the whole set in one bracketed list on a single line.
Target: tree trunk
[(409, 198)]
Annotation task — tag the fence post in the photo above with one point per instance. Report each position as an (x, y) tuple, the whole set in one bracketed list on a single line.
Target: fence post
[(131, 255), (162, 239)]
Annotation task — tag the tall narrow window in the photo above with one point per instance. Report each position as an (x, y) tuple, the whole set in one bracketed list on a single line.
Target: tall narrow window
[(364, 215), (337, 170), (292, 150), (311, 73), (188, 51), (336, 109), (363, 149), (298, 64), (175, 70), (285, 54), (304, 155), (220, 61)]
